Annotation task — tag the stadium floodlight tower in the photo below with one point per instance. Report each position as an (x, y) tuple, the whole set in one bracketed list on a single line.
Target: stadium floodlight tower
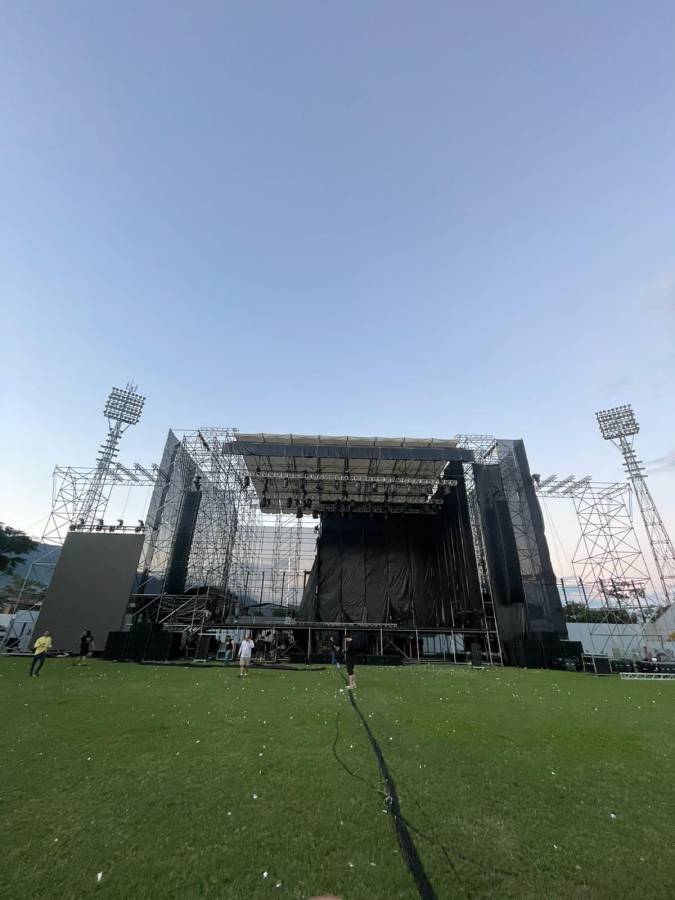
[(619, 426), (122, 409)]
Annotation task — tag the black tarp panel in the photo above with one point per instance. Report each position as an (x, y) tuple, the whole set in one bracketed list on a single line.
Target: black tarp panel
[(500, 545), (541, 592), (180, 553), (522, 582), (410, 569)]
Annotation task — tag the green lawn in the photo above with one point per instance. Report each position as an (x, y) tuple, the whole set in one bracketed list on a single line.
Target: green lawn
[(515, 783)]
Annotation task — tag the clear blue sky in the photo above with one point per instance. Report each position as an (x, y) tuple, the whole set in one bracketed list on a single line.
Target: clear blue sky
[(361, 217)]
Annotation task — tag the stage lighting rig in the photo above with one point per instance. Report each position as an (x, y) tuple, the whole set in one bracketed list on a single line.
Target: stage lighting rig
[(617, 422), (620, 426), (123, 408)]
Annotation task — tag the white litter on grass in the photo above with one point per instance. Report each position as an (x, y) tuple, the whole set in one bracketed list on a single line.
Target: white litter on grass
[(612, 815), (351, 865), (229, 813), (99, 876), (264, 874), (278, 884), (254, 796)]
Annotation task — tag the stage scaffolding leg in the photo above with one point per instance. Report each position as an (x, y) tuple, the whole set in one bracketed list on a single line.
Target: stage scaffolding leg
[(381, 643), (417, 644), (309, 642)]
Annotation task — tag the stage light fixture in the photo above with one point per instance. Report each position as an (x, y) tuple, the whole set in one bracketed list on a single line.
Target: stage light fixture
[(72, 527), (99, 524), (124, 406), (299, 514), (120, 523), (197, 482), (111, 527), (289, 503), (81, 523), (257, 470), (308, 503), (315, 514), (247, 481), (617, 422)]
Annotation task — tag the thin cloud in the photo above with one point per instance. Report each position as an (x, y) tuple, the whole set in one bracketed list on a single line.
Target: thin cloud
[(661, 463)]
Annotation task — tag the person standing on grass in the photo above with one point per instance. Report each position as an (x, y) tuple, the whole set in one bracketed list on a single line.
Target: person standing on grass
[(334, 652), (229, 649), (42, 646), (86, 643), (349, 662), (245, 654)]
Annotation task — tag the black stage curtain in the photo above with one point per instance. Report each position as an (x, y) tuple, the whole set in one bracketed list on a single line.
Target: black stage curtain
[(410, 569)]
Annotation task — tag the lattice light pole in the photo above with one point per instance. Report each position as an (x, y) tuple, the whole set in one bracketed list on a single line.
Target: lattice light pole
[(619, 426), (123, 408)]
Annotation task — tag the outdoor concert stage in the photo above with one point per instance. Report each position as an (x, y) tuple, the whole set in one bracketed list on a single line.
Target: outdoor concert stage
[(425, 549)]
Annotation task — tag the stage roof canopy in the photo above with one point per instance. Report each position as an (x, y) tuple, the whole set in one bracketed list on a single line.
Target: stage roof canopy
[(316, 473)]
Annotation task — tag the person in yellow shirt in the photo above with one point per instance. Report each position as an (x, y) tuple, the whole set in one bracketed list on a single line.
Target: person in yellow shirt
[(42, 646)]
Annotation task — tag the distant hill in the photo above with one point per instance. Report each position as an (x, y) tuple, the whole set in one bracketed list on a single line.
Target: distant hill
[(41, 572)]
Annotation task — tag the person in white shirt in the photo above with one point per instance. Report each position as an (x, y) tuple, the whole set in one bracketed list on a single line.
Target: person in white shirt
[(245, 654)]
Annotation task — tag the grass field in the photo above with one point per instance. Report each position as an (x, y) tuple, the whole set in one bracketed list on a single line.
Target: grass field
[(176, 782)]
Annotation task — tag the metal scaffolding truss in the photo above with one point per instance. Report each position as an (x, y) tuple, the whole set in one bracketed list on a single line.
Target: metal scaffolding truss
[(619, 426), (612, 579), (239, 558)]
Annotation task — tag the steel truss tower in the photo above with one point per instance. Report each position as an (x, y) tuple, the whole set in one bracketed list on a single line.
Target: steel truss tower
[(123, 408), (611, 574), (619, 426)]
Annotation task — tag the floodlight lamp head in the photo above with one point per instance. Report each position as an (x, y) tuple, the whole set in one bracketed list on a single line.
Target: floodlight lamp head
[(617, 422), (124, 405)]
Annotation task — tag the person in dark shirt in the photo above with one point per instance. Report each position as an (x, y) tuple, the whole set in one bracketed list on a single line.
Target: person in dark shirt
[(86, 644), (229, 649), (349, 662), (334, 652)]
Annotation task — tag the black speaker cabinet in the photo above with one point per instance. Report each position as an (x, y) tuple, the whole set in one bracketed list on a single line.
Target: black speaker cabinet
[(116, 645), (138, 641), (205, 646), (164, 645)]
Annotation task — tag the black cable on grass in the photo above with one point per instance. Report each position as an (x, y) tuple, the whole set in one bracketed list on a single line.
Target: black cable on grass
[(408, 849), (344, 765), (433, 838)]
